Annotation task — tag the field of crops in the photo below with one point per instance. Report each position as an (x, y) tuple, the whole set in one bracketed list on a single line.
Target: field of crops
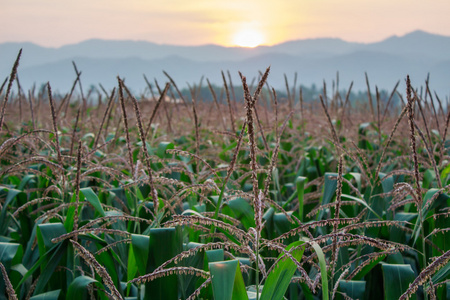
[(113, 195)]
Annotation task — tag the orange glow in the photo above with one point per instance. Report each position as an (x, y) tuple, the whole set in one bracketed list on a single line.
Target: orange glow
[(227, 23)]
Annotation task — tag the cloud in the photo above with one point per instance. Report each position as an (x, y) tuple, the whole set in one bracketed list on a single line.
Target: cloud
[(48, 22)]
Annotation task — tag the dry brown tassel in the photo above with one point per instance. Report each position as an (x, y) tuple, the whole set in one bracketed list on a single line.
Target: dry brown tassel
[(153, 191), (413, 140), (54, 120), (125, 122), (227, 93), (12, 77), (9, 288)]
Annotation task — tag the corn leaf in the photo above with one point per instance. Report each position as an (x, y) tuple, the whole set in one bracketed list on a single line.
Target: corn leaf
[(396, 280), (300, 184), (140, 245), (352, 288), (329, 190), (53, 295), (78, 288), (164, 244), (92, 198), (323, 270), (278, 280), (8, 251), (227, 281)]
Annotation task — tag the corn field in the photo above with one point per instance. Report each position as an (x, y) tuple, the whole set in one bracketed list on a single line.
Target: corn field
[(249, 196)]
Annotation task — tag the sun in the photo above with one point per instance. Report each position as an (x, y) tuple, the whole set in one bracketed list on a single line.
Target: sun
[(248, 37)]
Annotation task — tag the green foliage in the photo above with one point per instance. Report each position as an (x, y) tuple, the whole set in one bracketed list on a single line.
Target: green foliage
[(397, 279), (278, 280), (309, 232), (227, 281)]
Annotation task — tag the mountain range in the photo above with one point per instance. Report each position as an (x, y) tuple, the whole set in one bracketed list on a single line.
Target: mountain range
[(314, 60)]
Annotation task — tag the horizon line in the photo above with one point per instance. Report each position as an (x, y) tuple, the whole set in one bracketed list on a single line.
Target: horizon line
[(225, 46)]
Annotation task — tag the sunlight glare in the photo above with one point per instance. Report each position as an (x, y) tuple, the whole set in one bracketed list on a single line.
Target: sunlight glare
[(248, 37)]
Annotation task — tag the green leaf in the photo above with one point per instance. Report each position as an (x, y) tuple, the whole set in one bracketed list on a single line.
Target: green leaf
[(367, 268), (442, 274), (140, 244), (42, 260), (242, 210), (396, 279), (356, 176), (329, 190), (112, 263), (49, 268), (214, 255), (306, 291), (428, 177), (16, 274), (281, 223), (26, 179), (363, 131), (278, 280), (164, 244), (189, 283), (92, 198), (4, 219), (46, 232), (447, 287), (8, 251), (70, 216), (78, 288), (88, 136), (300, 184), (352, 288), (444, 174), (440, 200), (441, 240), (162, 148), (363, 202), (132, 267), (227, 281), (53, 295), (323, 270), (223, 154), (268, 219), (396, 234)]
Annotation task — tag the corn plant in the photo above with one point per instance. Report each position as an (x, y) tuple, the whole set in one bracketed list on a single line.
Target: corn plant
[(145, 198)]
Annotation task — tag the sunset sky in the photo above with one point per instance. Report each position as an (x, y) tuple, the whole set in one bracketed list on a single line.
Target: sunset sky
[(230, 22)]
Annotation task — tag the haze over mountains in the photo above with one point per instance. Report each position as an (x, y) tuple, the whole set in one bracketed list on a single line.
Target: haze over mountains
[(315, 60)]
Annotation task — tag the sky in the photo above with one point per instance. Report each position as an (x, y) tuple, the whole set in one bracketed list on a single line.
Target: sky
[(54, 23)]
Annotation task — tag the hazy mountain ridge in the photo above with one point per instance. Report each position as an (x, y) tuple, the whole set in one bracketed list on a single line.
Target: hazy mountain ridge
[(314, 60)]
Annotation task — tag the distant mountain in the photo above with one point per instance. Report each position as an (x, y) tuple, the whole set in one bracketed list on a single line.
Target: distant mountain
[(415, 44), (320, 47), (314, 60)]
